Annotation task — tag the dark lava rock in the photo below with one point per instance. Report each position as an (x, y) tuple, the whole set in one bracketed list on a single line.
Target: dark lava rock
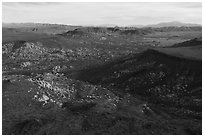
[(78, 107)]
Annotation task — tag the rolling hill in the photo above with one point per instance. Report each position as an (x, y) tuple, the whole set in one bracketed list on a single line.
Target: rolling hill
[(60, 79)]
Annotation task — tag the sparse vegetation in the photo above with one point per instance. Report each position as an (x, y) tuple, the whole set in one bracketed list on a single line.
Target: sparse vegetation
[(98, 80)]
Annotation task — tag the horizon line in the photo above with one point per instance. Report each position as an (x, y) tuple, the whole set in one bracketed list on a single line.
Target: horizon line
[(97, 25)]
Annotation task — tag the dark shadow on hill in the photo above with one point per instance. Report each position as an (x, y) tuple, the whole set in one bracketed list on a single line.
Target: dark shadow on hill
[(172, 83), (189, 43)]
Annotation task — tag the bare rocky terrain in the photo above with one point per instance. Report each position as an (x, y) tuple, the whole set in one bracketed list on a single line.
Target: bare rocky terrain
[(59, 79)]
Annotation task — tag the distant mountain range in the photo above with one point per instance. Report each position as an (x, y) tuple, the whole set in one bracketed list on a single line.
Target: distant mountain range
[(30, 24), (167, 24), (159, 25)]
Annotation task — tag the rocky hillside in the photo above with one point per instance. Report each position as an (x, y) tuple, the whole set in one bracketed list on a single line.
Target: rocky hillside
[(154, 76), (190, 43), (98, 81)]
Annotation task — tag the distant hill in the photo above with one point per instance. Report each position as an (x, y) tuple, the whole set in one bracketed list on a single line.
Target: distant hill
[(173, 24), (190, 43), (39, 27), (167, 24), (20, 25), (159, 25)]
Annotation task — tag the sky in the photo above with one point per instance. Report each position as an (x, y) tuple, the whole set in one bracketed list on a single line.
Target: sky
[(121, 14)]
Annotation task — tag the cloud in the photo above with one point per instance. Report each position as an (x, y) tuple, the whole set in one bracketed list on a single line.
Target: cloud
[(30, 3), (102, 13), (194, 5)]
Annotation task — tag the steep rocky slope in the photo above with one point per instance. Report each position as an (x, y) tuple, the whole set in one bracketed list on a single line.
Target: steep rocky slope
[(162, 79)]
